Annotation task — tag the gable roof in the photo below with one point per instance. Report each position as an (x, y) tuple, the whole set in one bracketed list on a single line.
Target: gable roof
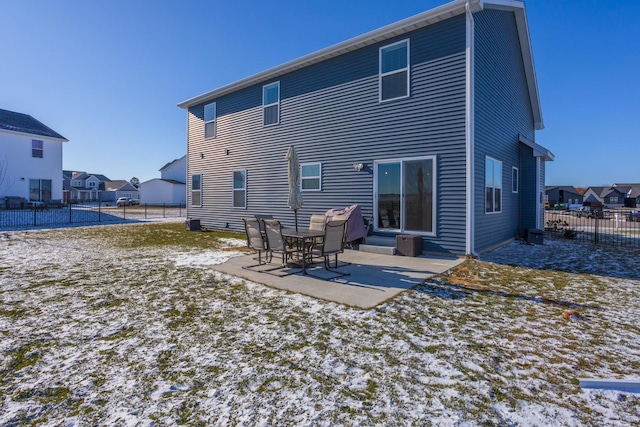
[(569, 188), (420, 20), (119, 185), (77, 175), (632, 190), (24, 123), (171, 163)]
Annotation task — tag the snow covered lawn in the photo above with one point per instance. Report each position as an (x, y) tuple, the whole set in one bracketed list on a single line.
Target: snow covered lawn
[(128, 325)]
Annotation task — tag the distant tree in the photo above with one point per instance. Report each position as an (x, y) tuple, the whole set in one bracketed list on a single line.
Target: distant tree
[(135, 182)]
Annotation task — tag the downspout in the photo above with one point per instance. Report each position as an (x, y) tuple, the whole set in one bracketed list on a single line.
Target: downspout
[(470, 130)]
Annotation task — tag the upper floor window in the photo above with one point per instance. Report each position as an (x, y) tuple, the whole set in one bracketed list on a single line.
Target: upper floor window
[(239, 188), (92, 183), (311, 176), (271, 104), (394, 71), (515, 179), (196, 190), (37, 149), (493, 185), (210, 120)]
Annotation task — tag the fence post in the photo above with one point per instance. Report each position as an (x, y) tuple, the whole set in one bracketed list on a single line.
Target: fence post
[(34, 214), (595, 234), (99, 211), (145, 211), (164, 210)]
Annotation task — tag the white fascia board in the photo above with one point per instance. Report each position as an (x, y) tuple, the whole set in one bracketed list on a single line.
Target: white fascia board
[(538, 150), (420, 20), (34, 136)]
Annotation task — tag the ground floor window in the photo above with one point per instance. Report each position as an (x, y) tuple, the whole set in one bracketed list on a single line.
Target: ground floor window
[(493, 185), (39, 190), (311, 176), (239, 188), (196, 190)]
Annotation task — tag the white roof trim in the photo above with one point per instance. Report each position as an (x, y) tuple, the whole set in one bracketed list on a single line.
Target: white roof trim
[(538, 150), (420, 20), (34, 135)]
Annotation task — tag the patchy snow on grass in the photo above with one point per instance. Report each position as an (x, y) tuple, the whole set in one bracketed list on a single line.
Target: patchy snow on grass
[(93, 334)]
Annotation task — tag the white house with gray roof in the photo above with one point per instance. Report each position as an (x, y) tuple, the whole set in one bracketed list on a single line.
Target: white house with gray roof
[(30, 159), (170, 188)]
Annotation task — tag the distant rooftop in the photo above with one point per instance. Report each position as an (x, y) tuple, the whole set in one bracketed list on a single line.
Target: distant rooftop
[(24, 123)]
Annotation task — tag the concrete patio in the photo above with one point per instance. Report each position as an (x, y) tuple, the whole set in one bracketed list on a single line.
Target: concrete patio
[(374, 278)]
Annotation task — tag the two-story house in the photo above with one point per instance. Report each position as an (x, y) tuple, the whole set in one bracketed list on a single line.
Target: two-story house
[(428, 124), (83, 186), (170, 188), (30, 158), (563, 194)]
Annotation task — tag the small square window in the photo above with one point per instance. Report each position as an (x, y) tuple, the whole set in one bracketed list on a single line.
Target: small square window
[(311, 176)]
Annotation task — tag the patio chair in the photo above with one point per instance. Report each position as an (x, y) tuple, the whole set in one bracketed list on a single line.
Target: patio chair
[(260, 217), (255, 241), (277, 244), (332, 244)]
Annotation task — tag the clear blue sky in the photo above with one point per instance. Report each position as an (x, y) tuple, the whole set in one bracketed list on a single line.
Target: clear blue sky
[(108, 74)]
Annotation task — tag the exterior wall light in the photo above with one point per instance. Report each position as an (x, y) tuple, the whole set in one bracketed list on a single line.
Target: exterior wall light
[(358, 166)]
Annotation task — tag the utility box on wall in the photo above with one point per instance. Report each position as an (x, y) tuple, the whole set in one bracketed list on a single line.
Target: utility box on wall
[(535, 237), (408, 245)]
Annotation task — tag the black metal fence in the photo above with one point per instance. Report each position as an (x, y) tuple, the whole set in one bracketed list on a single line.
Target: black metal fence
[(606, 227), (93, 212)]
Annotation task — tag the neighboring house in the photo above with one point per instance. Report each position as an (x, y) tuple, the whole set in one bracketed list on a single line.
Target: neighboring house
[(563, 194), (83, 186), (428, 124), (631, 194), (30, 158), (119, 188), (609, 196), (170, 188)]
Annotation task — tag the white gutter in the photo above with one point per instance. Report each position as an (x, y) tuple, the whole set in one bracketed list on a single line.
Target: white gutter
[(470, 127)]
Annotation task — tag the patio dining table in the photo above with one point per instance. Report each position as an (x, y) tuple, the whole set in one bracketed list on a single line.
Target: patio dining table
[(302, 237)]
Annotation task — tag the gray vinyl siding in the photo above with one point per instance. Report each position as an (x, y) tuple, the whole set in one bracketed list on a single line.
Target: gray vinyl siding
[(502, 112), (330, 112)]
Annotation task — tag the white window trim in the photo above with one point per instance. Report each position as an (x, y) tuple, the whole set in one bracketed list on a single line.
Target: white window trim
[(493, 212), (381, 74), (265, 106), (319, 177), (198, 190), (234, 189), (517, 172), (214, 121)]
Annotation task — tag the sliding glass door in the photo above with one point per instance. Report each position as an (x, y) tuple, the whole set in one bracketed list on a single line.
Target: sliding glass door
[(404, 195)]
